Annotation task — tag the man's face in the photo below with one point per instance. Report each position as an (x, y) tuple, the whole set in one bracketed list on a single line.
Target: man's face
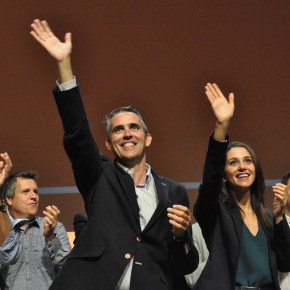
[(128, 139), (24, 204)]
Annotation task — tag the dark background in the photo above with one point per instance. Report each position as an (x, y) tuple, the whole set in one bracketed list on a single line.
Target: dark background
[(156, 55)]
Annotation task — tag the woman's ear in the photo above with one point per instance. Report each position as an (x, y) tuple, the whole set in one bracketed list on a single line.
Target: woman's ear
[(225, 178)]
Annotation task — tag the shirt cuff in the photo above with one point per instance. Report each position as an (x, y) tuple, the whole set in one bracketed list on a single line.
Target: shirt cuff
[(53, 246), (67, 85)]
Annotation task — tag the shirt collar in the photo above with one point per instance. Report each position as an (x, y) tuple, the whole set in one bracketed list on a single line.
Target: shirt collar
[(22, 221), (288, 219), (147, 177)]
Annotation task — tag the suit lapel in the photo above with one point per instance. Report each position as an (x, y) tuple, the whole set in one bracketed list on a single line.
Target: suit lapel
[(238, 222), (162, 189), (234, 244), (128, 188), (127, 184)]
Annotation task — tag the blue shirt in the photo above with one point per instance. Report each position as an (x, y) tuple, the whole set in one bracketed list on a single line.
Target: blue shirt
[(10, 249), (38, 260)]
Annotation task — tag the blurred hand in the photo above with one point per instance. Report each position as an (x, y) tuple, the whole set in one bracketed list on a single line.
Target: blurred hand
[(51, 214), (180, 218), (5, 167), (280, 200)]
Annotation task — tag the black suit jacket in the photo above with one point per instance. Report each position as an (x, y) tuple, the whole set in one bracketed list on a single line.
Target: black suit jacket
[(80, 224), (113, 234), (221, 226)]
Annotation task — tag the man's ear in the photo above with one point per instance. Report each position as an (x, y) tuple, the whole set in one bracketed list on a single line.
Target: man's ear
[(8, 200), (148, 140), (108, 145)]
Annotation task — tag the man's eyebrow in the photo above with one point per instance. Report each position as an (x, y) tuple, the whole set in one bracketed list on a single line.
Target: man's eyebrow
[(129, 124), (118, 127), (28, 188)]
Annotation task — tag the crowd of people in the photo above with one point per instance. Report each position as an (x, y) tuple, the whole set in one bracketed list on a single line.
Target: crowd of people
[(137, 231)]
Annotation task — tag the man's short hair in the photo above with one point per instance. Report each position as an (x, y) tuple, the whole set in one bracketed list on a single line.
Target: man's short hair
[(130, 109), (285, 178), (9, 185)]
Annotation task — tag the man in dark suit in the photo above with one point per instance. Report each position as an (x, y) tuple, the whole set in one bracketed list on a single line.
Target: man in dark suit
[(137, 236)]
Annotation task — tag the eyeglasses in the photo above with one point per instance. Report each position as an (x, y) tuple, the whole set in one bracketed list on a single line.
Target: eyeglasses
[(236, 162)]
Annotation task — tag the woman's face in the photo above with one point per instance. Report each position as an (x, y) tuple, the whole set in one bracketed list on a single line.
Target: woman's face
[(240, 170)]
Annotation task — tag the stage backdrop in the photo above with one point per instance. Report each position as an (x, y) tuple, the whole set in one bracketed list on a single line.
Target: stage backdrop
[(157, 56)]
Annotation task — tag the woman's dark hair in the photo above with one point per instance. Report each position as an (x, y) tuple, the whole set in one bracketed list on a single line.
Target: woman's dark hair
[(257, 188)]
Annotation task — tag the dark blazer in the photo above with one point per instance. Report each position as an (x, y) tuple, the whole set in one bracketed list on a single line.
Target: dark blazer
[(113, 234), (80, 223), (221, 226)]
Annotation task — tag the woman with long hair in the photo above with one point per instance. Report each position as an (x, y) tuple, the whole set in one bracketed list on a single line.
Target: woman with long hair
[(247, 243)]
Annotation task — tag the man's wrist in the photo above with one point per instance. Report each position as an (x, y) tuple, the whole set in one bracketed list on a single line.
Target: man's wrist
[(177, 238), (50, 237)]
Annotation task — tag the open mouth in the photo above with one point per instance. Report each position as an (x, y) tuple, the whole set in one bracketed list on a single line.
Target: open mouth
[(243, 175), (128, 144)]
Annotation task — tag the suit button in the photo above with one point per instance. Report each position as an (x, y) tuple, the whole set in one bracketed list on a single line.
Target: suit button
[(138, 239), (127, 256)]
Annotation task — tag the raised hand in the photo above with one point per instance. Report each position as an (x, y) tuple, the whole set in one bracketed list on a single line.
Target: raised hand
[(222, 108), (51, 214), (5, 167), (43, 34)]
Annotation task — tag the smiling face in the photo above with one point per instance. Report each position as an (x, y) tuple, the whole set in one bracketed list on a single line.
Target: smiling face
[(240, 170), (128, 140), (24, 203)]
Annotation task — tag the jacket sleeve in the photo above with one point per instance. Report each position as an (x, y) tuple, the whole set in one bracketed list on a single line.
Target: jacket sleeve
[(206, 206), (282, 245), (80, 224), (184, 253), (78, 141)]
